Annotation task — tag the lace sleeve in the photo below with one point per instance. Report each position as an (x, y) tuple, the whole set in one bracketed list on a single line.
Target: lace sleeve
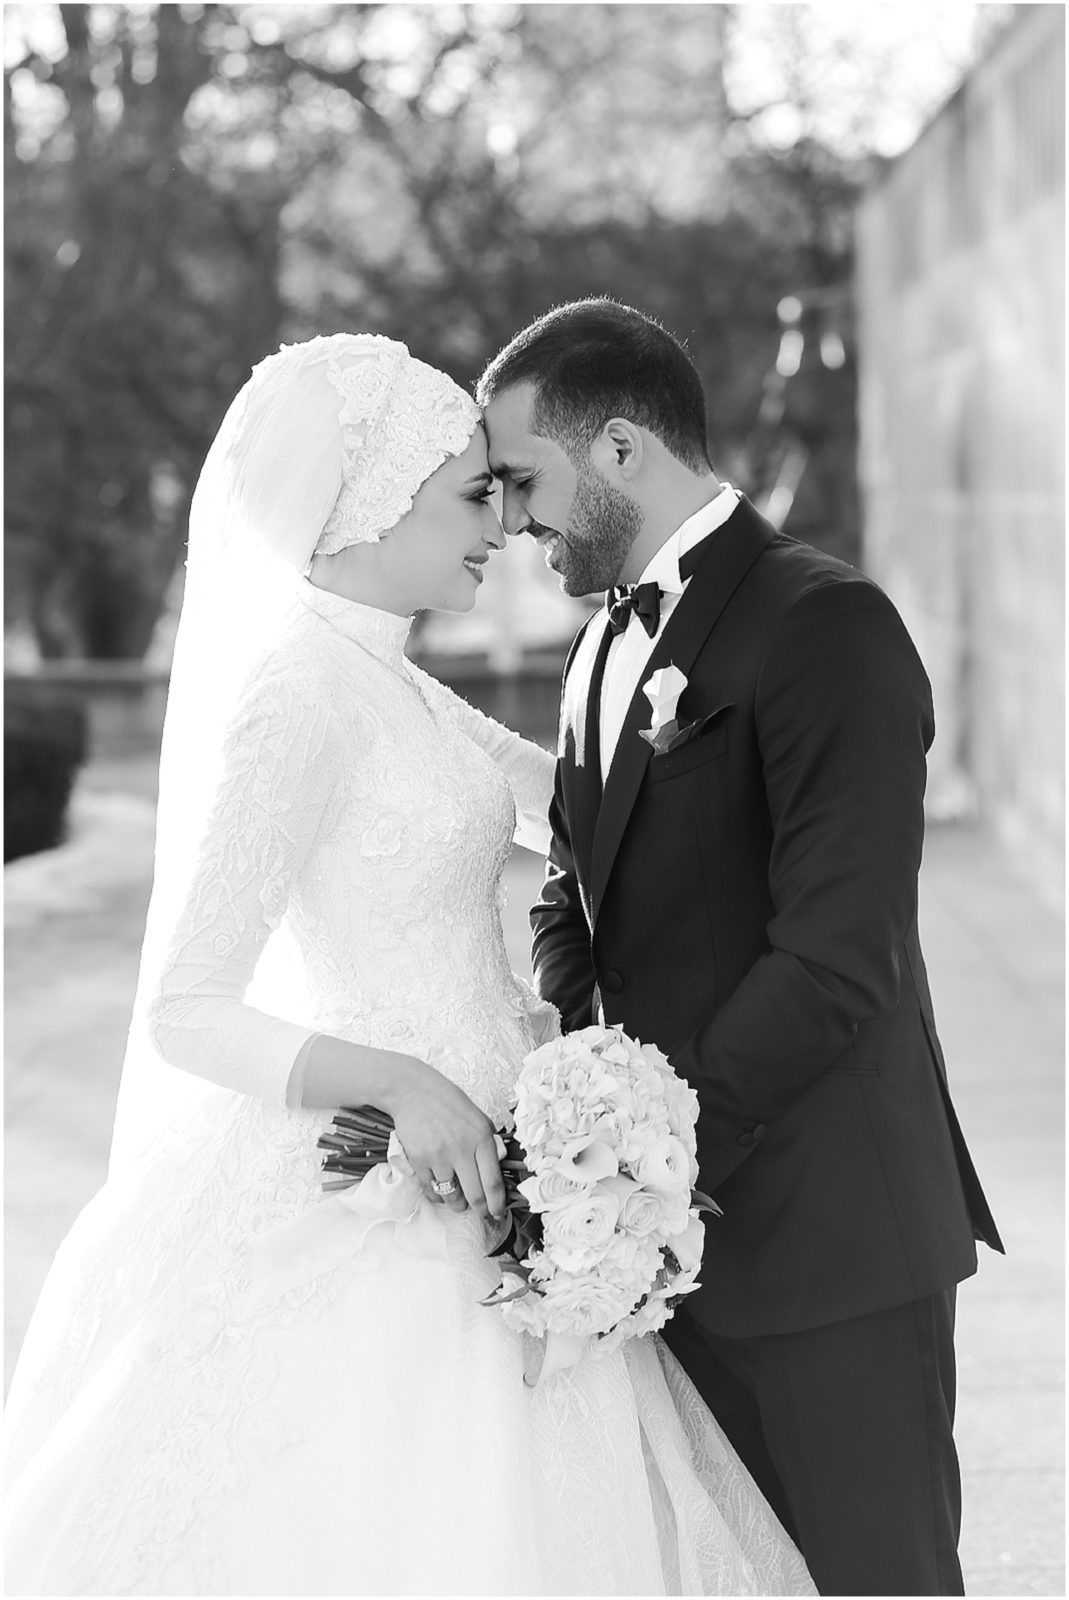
[(528, 768), (280, 781)]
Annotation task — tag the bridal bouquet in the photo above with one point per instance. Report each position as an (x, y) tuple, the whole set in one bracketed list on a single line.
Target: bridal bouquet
[(603, 1235), (607, 1131)]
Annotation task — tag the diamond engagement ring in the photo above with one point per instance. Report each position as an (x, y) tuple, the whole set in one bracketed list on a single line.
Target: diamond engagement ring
[(444, 1186)]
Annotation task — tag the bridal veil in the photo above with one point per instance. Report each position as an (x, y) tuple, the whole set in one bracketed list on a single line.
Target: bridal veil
[(325, 446)]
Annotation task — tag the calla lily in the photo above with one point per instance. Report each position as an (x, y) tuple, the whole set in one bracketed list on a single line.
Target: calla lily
[(663, 689), (687, 1246), (559, 1352), (621, 1186), (587, 1160)]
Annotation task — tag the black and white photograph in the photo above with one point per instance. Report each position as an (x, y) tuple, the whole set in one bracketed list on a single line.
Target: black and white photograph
[(534, 796)]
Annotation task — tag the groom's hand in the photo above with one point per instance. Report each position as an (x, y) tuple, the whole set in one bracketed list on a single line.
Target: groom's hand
[(446, 1139), (560, 952)]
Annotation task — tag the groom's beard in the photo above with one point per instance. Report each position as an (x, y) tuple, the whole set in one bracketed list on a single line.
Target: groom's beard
[(603, 524)]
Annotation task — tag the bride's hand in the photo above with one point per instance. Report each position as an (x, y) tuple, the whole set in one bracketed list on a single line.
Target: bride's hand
[(445, 1136)]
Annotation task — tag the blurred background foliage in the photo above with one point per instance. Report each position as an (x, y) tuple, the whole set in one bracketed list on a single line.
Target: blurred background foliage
[(187, 185)]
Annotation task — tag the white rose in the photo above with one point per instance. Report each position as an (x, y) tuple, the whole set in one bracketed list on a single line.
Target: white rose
[(583, 1306), (665, 1165), (586, 1224), (550, 1189), (642, 1213)]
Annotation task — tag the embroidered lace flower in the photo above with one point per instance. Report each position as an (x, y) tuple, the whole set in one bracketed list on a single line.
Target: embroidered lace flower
[(400, 420)]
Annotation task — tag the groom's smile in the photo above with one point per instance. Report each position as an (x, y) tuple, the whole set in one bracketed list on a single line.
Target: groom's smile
[(584, 526), (538, 480), (548, 539)]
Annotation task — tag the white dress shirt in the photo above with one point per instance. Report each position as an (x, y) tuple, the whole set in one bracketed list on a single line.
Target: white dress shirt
[(631, 649)]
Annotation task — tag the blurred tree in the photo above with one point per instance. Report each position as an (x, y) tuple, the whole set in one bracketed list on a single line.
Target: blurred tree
[(139, 291), (186, 184), (579, 154), (136, 298)]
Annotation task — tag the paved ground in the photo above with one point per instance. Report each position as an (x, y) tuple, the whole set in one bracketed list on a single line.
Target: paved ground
[(996, 960)]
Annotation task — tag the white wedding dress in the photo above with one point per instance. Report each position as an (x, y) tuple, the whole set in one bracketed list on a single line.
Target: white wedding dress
[(370, 1431)]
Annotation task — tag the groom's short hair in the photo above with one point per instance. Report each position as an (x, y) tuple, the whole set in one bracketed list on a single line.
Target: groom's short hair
[(594, 359)]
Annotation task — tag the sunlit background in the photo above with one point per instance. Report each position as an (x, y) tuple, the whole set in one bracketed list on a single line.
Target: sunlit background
[(854, 216), (187, 185)]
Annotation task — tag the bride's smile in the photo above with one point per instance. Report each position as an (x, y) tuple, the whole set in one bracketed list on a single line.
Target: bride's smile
[(434, 558), (239, 1381)]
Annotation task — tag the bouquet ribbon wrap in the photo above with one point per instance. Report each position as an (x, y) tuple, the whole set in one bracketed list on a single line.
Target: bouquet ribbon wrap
[(389, 1202)]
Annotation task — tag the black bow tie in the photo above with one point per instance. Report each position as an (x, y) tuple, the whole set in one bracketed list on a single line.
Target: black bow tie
[(641, 599)]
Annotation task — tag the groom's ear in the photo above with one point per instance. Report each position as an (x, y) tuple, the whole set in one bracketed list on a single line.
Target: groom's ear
[(618, 450)]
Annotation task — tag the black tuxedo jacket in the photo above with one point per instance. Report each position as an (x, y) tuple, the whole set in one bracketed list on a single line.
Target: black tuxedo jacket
[(748, 902)]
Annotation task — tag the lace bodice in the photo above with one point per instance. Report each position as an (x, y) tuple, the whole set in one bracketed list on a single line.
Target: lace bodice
[(364, 816), (361, 825)]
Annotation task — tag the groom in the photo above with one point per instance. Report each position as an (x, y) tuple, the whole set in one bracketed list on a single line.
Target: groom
[(733, 876)]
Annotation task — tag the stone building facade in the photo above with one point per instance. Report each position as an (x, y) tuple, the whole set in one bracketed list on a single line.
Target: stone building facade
[(961, 286)]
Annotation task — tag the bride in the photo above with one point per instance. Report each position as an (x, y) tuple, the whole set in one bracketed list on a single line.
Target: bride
[(325, 931)]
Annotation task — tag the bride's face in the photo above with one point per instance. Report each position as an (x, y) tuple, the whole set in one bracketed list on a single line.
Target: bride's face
[(438, 551)]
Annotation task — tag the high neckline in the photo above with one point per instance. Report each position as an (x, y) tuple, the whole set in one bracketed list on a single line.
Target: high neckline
[(384, 633)]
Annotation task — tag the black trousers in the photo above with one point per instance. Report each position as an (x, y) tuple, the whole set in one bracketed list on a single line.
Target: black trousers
[(847, 1430)]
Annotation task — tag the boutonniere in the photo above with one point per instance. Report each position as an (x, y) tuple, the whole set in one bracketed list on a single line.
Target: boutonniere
[(662, 690)]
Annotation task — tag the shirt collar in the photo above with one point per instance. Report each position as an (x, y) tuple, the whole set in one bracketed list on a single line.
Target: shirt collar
[(663, 568)]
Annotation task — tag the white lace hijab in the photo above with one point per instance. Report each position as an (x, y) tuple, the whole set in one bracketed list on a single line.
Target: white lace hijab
[(325, 446)]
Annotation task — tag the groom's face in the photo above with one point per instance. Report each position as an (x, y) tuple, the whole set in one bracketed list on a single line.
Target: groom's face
[(584, 524)]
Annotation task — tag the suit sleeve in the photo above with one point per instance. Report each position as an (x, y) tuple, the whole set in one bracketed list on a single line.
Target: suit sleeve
[(561, 954), (844, 720)]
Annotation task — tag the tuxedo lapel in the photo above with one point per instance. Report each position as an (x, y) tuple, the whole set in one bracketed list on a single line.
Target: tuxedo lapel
[(732, 551), (579, 748)]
